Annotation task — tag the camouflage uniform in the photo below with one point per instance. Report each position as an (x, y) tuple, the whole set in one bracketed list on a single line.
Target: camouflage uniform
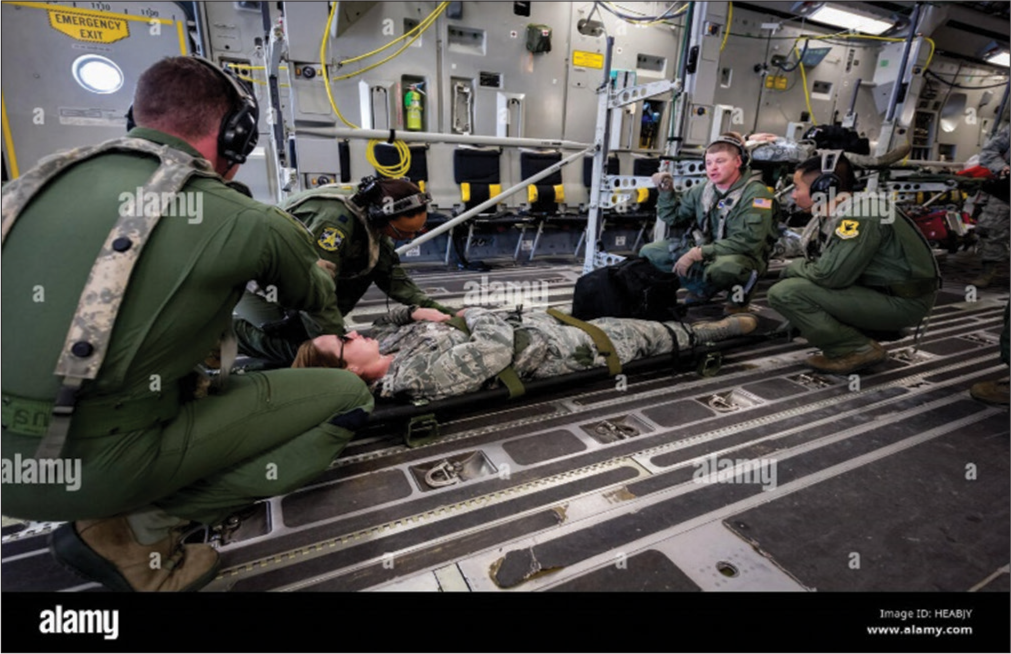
[(730, 254), (994, 224), (435, 360), (139, 435), (870, 276)]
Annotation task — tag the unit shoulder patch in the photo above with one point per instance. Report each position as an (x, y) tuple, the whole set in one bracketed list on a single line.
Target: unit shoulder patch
[(848, 229), (331, 239)]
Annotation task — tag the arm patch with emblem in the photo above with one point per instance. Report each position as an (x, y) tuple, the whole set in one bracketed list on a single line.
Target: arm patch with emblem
[(330, 239), (848, 229)]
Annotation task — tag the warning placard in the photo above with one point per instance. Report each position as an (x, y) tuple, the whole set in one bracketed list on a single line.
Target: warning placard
[(587, 59), (93, 28)]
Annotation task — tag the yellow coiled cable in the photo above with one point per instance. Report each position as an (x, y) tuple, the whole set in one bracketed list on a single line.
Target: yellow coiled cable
[(400, 169)]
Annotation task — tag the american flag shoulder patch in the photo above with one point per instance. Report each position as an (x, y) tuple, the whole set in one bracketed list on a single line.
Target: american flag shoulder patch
[(762, 203)]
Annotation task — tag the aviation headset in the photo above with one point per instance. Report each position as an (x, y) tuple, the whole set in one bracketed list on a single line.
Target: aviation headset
[(237, 136), (828, 182), (741, 150), (381, 208)]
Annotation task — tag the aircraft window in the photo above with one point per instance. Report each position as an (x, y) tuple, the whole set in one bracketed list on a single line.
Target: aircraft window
[(97, 74)]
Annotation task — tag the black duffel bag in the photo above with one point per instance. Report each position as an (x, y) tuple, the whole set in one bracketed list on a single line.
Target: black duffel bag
[(633, 288)]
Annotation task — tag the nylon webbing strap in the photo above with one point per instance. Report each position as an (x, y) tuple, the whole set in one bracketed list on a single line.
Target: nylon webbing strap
[(604, 345), (51, 446), (229, 352), (512, 381), (508, 376), (20, 191), (675, 349), (459, 323), (90, 330), (106, 286)]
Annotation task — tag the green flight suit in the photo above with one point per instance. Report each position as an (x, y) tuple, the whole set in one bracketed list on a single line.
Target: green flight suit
[(362, 258), (729, 258), (874, 274), (139, 436), (342, 239)]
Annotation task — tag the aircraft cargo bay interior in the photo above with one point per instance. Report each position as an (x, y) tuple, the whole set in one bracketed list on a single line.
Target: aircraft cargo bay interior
[(509, 297)]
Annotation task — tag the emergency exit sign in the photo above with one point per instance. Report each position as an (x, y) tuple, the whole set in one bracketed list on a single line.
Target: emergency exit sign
[(87, 26)]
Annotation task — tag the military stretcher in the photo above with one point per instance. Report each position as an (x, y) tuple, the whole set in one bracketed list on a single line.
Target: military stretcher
[(419, 420)]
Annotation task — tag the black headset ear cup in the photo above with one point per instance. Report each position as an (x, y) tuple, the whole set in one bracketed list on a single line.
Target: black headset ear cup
[(745, 157), (238, 134), (370, 198), (827, 183)]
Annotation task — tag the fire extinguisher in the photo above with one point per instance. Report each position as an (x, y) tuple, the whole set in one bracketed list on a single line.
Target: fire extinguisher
[(415, 110)]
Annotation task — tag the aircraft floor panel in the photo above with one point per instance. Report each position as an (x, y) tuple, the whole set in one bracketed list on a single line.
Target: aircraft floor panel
[(843, 533), (596, 485), (649, 571)]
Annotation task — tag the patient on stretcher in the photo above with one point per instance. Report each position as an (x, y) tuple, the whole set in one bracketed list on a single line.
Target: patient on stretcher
[(436, 360)]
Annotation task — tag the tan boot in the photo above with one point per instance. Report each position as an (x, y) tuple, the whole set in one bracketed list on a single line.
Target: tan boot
[(992, 392), (107, 551), (851, 362), (721, 330), (986, 277)]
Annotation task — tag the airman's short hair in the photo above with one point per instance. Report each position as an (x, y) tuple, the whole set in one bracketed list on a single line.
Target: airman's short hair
[(183, 96)]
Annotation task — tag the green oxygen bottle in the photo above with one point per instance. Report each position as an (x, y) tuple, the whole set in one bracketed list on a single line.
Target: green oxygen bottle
[(415, 111)]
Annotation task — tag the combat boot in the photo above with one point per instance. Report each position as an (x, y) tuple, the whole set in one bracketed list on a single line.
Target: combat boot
[(721, 330), (992, 392), (107, 551), (851, 362), (986, 277)]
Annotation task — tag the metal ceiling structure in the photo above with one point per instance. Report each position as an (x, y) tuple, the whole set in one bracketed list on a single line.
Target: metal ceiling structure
[(961, 29)]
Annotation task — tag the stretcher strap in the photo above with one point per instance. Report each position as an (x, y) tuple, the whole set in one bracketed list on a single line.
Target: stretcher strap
[(675, 350), (604, 345), (508, 376), (511, 380)]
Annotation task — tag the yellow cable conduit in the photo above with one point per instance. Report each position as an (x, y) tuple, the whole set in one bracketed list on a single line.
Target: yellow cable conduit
[(413, 35)]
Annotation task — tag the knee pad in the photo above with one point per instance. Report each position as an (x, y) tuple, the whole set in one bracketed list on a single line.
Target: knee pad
[(352, 421)]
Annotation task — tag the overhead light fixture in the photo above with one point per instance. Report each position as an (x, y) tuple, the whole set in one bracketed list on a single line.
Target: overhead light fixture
[(996, 54), (1000, 59), (850, 20)]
